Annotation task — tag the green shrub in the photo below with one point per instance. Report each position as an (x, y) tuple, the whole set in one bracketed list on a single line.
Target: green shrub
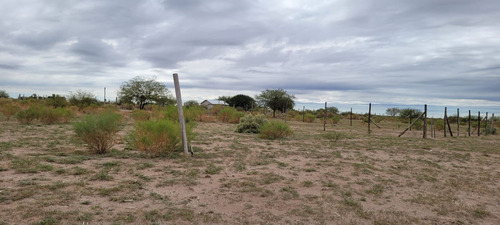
[(229, 115), (30, 115), (275, 130), (251, 123), (9, 108), (333, 136), (336, 119), (98, 130), (140, 115), (44, 115), (156, 137), (309, 118), (52, 116)]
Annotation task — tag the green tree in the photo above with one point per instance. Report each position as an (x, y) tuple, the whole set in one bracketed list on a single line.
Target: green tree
[(409, 113), (82, 99), (392, 111), (191, 103), (143, 91), (3, 94), (244, 101), (276, 99)]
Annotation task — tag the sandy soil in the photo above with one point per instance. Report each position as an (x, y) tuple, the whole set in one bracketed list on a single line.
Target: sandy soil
[(48, 177)]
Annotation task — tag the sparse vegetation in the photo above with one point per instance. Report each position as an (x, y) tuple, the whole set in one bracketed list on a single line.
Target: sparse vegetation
[(275, 130), (98, 131), (251, 123), (341, 175), (155, 137)]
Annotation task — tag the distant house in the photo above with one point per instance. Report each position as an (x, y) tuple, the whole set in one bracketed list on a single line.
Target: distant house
[(208, 104)]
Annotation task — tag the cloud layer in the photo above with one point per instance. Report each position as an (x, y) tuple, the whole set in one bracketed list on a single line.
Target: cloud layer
[(346, 51)]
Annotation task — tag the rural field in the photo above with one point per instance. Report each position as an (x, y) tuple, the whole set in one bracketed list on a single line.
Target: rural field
[(338, 176)]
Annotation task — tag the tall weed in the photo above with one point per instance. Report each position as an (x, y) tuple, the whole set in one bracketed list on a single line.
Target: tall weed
[(275, 130), (98, 131), (156, 137)]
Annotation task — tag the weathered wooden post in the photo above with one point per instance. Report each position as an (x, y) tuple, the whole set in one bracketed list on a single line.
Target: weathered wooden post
[(181, 113), (326, 116), (104, 95), (444, 118), (425, 121), (485, 122), (351, 117), (303, 114), (468, 131), (491, 124), (458, 122), (369, 116), (479, 123)]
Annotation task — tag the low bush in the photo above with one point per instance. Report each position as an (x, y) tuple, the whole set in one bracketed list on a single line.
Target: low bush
[(140, 115), (336, 119), (309, 118), (334, 136), (275, 130), (251, 123), (9, 108), (58, 115), (44, 115), (155, 137), (229, 115), (98, 131), (30, 115)]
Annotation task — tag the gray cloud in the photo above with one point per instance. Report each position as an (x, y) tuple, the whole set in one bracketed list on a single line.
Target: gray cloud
[(348, 50)]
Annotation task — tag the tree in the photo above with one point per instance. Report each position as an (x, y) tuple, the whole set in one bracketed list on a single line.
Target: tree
[(409, 113), (82, 99), (191, 103), (277, 99), (143, 91), (225, 99), (3, 94), (244, 101), (392, 111)]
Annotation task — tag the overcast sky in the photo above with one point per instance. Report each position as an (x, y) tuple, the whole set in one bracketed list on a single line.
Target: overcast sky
[(439, 52)]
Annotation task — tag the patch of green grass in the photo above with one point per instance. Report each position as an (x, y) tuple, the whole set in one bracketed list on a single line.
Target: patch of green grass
[(145, 165), (269, 178), (308, 183), (29, 165), (213, 169), (376, 190), (48, 221), (289, 193), (78, 171), (102, 175)]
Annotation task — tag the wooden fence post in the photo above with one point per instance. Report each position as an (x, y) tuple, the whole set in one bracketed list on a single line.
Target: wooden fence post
[(326, 116), (444, 120), (351, 117), (479, 123), (369, 116), (491, 124), (469, 123), (485, 122), (181, 113), (425, 122), (458, 122)]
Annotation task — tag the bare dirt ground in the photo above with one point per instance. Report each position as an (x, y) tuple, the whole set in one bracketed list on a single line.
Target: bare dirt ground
[(48, 177)]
